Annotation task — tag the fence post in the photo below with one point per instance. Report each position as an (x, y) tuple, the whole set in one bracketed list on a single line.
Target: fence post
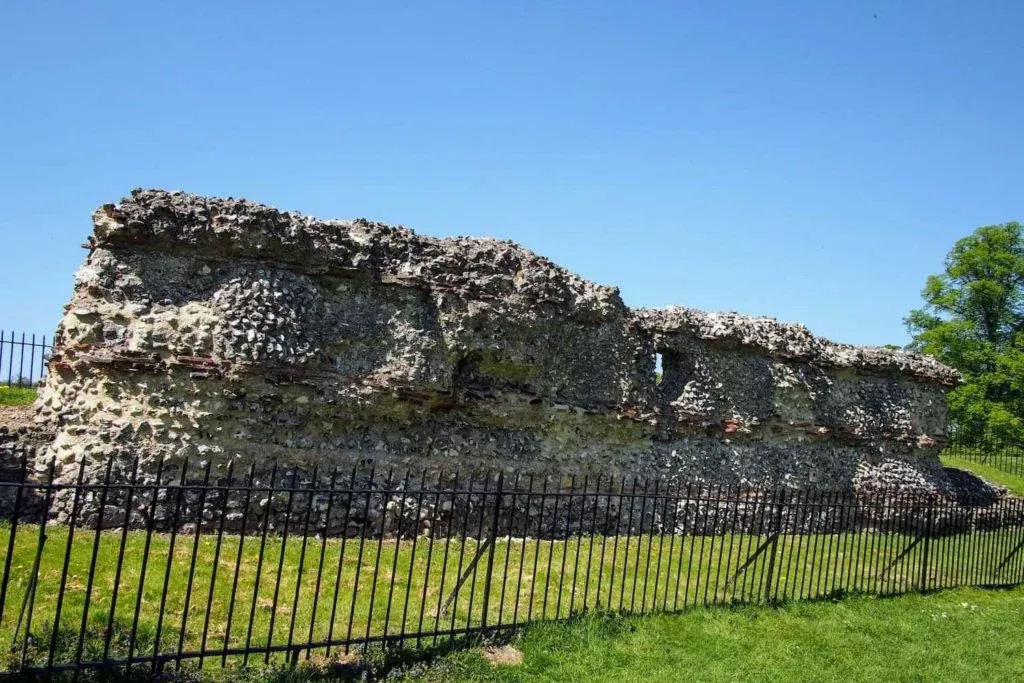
[(490, 552), (927, 545)]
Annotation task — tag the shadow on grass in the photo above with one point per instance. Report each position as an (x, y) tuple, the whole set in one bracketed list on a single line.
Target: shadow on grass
[(377, 661), (385, 661)]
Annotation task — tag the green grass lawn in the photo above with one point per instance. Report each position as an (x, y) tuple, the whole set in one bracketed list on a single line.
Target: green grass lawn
[(17, 396), (646, 574), (956, 635), (1013, 482)]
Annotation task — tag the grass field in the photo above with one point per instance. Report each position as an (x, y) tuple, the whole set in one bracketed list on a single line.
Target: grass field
[(647, 574), (17, 396), (955, 635), (532, 581)]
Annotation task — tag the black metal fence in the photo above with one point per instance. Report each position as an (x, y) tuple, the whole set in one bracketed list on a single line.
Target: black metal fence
[(23, 358), (993, 452), (190, 567)]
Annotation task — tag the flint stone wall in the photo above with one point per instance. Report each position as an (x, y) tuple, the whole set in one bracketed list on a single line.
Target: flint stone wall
[(223, 331)]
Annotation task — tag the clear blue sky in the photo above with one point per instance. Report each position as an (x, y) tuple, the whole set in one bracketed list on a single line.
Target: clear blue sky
[(813, 161)]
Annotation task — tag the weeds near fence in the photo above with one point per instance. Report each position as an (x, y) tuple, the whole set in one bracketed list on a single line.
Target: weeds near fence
[(17, 396)]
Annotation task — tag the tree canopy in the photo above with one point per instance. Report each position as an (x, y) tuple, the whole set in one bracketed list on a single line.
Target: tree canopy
[(973, 319)]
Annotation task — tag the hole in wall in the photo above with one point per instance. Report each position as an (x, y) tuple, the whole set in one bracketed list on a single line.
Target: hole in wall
[(466, 373), (672, 370)]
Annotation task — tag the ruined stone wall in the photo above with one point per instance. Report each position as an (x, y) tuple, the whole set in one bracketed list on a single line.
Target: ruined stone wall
[(221, 331)]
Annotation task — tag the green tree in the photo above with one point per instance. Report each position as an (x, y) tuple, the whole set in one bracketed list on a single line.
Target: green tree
[(973, 319)]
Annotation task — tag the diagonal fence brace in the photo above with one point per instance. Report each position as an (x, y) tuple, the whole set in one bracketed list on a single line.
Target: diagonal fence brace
[(1006, 560), (899, 558), (769, 541), (465, 574)]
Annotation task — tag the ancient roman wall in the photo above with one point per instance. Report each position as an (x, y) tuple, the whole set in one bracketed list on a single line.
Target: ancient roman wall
[(221, 331)]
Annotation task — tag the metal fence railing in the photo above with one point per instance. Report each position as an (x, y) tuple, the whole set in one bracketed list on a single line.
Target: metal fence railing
[(110, 567), (23, 358), (998, 453)]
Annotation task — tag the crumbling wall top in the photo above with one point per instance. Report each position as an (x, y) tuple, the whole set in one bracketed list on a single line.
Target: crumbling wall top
[(789, 340), (482, 268)]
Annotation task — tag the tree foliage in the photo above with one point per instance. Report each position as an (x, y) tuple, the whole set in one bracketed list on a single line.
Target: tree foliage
[(973, 319)]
